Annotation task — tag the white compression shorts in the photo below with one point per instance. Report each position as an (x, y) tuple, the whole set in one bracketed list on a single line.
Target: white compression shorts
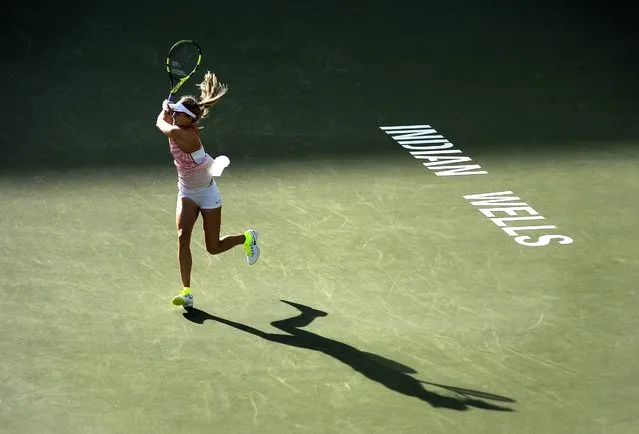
[(206, 198)]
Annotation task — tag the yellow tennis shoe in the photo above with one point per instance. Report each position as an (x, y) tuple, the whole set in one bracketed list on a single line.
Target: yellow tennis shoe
[(250, 246), (184, 298)]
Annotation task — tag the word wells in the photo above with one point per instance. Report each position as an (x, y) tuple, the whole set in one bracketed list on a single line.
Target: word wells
[(517, 219)]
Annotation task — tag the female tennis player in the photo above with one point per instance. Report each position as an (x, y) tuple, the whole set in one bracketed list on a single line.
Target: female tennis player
[(197, 191)]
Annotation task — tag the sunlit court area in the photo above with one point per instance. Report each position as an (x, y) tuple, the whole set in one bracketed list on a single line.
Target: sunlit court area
[(445, 195)]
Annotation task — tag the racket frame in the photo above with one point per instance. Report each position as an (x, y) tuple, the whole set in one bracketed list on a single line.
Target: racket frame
[(176, 86)]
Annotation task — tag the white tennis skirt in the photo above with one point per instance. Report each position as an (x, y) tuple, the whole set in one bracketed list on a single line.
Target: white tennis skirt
[(206, 198)]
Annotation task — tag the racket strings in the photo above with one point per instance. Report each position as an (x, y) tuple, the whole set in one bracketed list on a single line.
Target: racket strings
[(183, 60)]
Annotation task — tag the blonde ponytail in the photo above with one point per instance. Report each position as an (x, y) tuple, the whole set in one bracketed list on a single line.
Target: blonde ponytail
[(210, 93)]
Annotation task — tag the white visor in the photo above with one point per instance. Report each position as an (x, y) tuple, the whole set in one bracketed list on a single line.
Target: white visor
[(179, 107)]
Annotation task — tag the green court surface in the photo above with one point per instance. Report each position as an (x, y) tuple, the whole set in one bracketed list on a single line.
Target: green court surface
[(384, 300)]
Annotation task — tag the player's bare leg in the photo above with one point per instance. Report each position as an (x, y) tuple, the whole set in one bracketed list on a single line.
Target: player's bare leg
[(187, 212), (214, 245)]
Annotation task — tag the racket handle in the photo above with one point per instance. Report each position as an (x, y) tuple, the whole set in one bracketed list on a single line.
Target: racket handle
[(170, 98)]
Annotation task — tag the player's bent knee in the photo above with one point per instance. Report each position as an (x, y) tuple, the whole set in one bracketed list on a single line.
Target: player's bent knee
[(213, 248)]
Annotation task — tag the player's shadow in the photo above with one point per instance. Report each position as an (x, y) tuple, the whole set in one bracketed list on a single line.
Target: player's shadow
[(391, 374)]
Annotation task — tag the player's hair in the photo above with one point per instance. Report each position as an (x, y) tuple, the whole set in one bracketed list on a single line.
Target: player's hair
[(211, 91)]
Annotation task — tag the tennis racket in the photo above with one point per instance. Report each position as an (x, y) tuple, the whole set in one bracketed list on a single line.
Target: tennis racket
[(183, 59)]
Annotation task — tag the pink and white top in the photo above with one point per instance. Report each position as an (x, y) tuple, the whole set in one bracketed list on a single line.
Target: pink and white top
[(193, 168)]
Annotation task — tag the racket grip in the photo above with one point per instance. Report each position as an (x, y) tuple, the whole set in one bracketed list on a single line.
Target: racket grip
[(170, 98)]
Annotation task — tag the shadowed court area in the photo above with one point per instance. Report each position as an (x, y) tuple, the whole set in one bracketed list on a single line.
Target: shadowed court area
[(391, 374)]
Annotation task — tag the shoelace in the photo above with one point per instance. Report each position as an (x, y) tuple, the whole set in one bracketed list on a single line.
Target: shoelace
[(250, 249)]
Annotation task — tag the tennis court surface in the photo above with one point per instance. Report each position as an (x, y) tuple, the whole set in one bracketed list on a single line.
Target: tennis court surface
[(446, 202)]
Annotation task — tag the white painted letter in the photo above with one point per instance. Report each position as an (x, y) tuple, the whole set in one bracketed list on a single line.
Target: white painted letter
[(442, 160), (500, 221), (543, 240), (405, 127), (446, 144), (494, 201), (461, 170), (489, 212), (512, 231)]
